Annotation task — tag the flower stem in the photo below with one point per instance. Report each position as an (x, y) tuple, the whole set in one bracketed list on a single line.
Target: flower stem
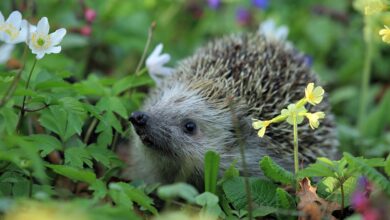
[(11, 89), (295, 128), (342, 197), (22, 110), (366, 73)]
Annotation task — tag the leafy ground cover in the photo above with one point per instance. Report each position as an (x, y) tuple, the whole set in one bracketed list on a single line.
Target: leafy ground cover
[(71, 74)]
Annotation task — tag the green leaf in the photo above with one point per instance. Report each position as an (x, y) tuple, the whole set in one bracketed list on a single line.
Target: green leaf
[(232, 171), (116, 106), (209, 203), (45, 143), (330, 188), (61, 121), (284, 200), (320, 168), (135, 195), (129, 82), (77, 156), (371, 173), (182, 190), (8, 120), (387, 165), (263, 192), (276, 172), (101, 154), (375, 122), (211, 168), (74, 173), (263, 211)]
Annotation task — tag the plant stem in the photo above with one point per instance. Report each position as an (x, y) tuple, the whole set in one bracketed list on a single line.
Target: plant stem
[(8, 94), (366, 73), (150, 35), (241, 144), (90, 129), (22, 110), (295, 128), (342, 198)]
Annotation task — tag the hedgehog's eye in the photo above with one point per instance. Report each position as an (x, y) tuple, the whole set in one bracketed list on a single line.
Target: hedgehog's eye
[(189, 127)]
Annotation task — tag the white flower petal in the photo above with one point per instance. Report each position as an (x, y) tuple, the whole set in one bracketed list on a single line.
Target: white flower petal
[(267, 27), (281, 33), (40, 55), (162, 59), (157, 51), (5, 52), (43, 26), (165, 71), (53, 50), (56, 37), (15, 18)]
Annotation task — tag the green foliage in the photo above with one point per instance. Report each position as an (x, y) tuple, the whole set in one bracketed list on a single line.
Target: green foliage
[(263, 192), (275, 172), (211, 169), (372, 174), (77, 104), (74, 173), (209, 203), (181, 190)]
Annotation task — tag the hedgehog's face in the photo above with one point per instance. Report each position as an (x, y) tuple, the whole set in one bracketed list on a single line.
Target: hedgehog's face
[(177, 121)]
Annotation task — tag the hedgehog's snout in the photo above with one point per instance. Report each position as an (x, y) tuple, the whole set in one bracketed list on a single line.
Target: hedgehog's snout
[(139, 119)]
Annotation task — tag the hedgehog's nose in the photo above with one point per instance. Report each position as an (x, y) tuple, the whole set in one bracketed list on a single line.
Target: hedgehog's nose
[(138, 118)]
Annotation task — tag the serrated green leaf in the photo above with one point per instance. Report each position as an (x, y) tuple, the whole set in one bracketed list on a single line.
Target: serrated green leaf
[(74, 173), (77, 156), (45, 143), (263, 192), (284, 200), (8, 120), (135, 195), (275, 172), (371, 173), (100, 154), (117, 106), (211, 168)]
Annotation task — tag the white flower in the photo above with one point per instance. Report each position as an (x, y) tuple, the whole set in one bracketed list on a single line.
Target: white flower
[(269, 29), (14, 29), (155, 64), (5, 52), (41, 42)]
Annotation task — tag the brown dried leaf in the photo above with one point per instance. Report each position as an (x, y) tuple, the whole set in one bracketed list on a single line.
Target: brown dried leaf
[(314, 207)]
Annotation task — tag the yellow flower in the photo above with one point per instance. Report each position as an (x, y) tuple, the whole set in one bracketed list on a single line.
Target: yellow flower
[(314, 95), (374, 6), (314, 119), (294, 111), (262, 125), (386, 34)]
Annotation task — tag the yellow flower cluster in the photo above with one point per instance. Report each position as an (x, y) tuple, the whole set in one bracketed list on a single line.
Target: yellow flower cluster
[(385, 32), (295, 113)]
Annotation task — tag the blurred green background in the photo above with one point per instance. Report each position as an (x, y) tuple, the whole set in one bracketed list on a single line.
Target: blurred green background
[(329, 32)]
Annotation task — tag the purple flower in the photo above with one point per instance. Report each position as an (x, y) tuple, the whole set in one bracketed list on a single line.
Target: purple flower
[(360, 202), (308, 60), (243, 16), (214, 4), (262, 4)]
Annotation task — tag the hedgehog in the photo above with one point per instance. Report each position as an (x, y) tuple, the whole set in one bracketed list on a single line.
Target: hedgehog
[(208, 103)]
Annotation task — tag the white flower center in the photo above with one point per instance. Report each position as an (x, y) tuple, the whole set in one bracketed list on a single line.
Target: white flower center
[(10, 30), (41, 41)]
